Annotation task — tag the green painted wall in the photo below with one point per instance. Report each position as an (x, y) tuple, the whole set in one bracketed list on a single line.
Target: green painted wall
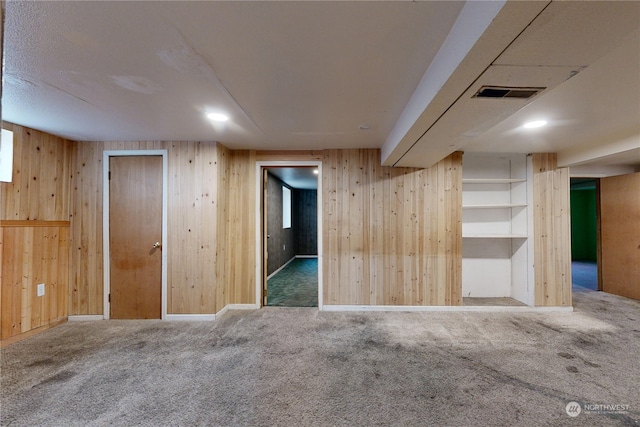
[(583, 224)]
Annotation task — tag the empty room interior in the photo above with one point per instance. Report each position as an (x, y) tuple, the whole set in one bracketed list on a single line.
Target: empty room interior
[(320, 213)]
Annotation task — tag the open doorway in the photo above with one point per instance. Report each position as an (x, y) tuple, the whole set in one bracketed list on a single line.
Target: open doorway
[(290, 237), (584, 234)]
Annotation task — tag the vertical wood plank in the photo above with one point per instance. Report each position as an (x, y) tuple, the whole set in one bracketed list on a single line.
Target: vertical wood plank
[(452, 263), (39, 190), (552, 243), (357, 192), (240, 223), (63, 276), (377, 212), (330, 226), (221, 256), (8, 263), (28, 274)]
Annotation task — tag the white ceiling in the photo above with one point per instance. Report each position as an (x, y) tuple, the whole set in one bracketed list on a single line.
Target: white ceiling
[(587, 56), (602, 100), (309, 74), (302, 178), (291, 75)]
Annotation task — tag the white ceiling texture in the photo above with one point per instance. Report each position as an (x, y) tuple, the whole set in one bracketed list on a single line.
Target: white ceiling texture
[(398, 75)]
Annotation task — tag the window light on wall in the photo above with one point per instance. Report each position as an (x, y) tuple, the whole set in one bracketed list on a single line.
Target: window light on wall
[(6, 156), (286, 207)]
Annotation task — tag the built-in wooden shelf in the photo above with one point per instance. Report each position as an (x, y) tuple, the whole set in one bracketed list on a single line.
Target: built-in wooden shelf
[(495, 226), (493, 180), (497, 206)]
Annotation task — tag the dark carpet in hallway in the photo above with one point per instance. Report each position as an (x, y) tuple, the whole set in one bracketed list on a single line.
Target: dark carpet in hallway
[(296, 285)]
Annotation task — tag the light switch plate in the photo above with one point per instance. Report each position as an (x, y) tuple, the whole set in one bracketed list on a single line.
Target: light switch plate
[(40, 289)]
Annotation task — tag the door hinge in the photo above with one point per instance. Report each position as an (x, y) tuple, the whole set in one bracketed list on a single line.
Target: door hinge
[(109, 297), (109, 178)]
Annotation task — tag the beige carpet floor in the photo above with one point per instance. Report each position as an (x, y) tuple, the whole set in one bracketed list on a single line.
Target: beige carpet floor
[(301, 367)]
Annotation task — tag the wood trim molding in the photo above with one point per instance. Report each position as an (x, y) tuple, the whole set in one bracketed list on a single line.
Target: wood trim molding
[(190, 317), (289, 155), (14, 339), (33, 223)]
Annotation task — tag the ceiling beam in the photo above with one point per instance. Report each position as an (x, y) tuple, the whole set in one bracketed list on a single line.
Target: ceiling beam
[(481, 33)]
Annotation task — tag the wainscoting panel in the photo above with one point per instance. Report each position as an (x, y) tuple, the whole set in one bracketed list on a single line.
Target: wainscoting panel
[(34, 227), (32, 253)]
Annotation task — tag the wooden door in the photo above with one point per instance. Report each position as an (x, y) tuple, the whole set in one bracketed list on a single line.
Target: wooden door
[(135, 234), (620, 235)]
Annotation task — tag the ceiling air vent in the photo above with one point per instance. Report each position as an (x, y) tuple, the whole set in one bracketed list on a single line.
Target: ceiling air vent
[(507, 92)]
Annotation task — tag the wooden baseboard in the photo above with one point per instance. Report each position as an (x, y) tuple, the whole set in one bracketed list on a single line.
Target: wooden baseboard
[(14, 339)]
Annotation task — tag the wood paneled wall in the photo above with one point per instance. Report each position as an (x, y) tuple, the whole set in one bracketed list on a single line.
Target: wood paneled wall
[(40, 186), (552, 232), (391, 236), (86, 256), (192, 225), (33, 254), (34, 232), (222, 242), (239, 275), (211, 226), (620, 235)]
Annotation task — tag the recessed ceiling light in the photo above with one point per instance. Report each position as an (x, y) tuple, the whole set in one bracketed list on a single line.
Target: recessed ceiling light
[(535, 124), (316, 172), (217, 117)]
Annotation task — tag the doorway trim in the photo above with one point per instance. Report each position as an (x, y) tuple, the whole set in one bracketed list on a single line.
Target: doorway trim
[(105, 224), (259, 255)]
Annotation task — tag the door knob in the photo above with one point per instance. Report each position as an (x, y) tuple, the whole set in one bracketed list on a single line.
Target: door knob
[(157, 245)]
